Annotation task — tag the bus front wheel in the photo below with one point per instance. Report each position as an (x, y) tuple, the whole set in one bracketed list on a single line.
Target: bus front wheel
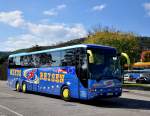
[(65, 93)]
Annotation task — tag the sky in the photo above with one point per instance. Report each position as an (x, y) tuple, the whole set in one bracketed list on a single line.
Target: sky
[(26, 23)]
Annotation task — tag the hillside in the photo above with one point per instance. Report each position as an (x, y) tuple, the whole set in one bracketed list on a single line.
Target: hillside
[(144, 44), (3, 54)]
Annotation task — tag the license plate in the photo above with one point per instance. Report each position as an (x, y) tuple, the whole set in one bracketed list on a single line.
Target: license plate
[(109, 93)]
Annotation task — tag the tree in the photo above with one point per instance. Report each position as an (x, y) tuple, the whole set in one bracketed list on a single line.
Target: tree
[(124, 42)]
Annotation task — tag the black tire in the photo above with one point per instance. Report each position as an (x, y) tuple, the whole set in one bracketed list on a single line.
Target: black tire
[(18, 87), (137, 81), (24, 87), (65, 90)]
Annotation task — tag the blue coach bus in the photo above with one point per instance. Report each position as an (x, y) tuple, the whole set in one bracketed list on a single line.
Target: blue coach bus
[(79, 71)]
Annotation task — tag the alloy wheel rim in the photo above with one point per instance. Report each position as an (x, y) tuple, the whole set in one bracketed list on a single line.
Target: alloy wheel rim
[(24, 88), (17, 86), (66, 93)]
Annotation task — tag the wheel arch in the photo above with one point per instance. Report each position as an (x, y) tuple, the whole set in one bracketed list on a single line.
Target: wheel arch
[(65, 86)]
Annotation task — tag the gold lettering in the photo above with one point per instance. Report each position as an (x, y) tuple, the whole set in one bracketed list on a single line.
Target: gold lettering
[(41, 75), (19, 73), (45, 76), (15, 72), (49, 76), (61, 80), (57, 78), (53, 78)]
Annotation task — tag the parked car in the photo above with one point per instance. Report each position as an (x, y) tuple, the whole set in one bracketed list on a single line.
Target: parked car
[(144, 77), (131, 75), (126, 77)]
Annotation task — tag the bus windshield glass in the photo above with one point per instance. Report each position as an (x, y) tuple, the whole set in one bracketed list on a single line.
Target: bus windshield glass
[(103, 64)]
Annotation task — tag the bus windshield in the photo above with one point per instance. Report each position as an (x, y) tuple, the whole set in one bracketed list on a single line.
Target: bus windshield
[(103, 65)]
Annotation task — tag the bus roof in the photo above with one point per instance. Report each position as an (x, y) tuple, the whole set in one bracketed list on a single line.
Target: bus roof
[(64, 48)]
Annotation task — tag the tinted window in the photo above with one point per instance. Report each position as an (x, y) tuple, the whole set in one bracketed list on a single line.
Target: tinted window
[(55, 58), (68, 57), (71, 57), (11, 62), (26, 61), (14, 61), (35, 60), (46, 59), (43, 59)]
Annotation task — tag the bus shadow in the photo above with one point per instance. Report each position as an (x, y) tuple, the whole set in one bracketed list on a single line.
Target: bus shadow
[(125, 103), (43, 94)]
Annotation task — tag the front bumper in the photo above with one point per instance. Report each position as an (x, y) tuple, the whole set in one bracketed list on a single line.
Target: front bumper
[(105, 92)]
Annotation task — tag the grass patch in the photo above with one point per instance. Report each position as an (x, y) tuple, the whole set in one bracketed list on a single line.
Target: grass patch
[(136, 86)]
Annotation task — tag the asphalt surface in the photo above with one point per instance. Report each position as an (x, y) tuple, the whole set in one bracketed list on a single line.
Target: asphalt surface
[(14, 103)]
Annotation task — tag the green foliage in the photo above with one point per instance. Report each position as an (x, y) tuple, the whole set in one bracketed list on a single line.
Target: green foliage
[(124, 42)]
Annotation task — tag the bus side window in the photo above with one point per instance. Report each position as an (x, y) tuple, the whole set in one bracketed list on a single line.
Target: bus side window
[(36, 59), (16, 61), (21, 61), (68, 57), (62, 59), (47, 59), (41, 60), (30, 61), (55, 58), (26, 61), (11, 62), (33, 60)]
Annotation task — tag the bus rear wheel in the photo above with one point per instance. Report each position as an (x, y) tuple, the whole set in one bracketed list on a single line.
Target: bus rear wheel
[(24, 87), (65, 93), (18, 87)]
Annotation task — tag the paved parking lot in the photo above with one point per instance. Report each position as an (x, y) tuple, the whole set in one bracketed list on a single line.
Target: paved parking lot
[(13, 103)]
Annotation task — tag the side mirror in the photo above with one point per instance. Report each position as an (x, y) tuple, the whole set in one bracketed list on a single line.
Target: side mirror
[(118, 54), (90, 55)]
